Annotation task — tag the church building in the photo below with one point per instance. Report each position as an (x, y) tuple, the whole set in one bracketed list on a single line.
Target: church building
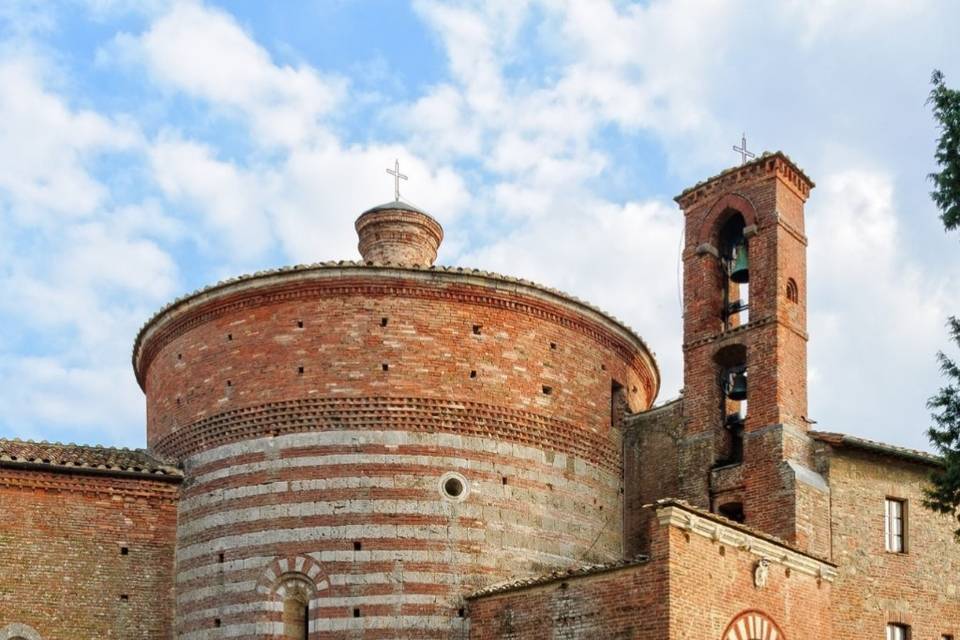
[(393, 449)]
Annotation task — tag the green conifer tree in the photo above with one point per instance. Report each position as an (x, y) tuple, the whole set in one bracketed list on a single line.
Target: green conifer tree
[(944, 493)]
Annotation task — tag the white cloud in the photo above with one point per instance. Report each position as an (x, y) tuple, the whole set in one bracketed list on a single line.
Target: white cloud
[(44, 146), (230, 199), (89, 404), (510, 149), (876, 315), (204, 53)]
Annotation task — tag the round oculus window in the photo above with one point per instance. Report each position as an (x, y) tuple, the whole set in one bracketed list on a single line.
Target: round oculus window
[(453, 486)]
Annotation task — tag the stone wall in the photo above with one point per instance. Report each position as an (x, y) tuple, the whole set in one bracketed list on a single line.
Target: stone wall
[(86, 556), (921, 587)]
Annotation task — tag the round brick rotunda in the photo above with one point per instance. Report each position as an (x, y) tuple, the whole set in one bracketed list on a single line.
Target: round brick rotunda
[(366, 442)]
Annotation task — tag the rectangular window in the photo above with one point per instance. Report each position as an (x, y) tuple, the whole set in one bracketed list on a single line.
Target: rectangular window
[(894, 525), (898, 632)]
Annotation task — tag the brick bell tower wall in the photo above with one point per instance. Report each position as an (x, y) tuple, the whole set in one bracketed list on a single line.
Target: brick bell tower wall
[(759, 469), (319, 413)]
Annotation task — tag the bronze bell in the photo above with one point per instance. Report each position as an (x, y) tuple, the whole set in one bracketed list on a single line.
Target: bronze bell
[(738, 387), (740, 271)]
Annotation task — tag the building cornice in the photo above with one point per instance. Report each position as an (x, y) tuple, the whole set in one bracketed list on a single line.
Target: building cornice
[(676, 513), (776, 164)]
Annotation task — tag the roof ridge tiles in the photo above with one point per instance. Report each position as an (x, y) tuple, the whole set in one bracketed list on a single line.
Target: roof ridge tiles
[(866, 444), (71, 455)]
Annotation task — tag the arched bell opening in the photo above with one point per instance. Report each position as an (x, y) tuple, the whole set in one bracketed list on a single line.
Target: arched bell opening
[(731, 362), (735, 264)]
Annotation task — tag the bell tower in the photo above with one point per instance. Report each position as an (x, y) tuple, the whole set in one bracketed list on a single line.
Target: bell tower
[(745, 347)]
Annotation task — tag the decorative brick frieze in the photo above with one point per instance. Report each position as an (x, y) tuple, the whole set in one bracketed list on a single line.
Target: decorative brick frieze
[(415, 414)]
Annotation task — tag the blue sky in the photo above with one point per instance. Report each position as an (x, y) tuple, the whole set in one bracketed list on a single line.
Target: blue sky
[(150, 148)]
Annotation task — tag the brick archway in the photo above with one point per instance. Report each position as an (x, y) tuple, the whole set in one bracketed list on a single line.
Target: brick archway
[(297, 577), (304, 565), (752, 625), (17, 631), (715, 215)]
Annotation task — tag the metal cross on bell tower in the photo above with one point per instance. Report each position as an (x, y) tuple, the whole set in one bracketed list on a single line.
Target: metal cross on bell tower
[(397, 177), (742, 150)]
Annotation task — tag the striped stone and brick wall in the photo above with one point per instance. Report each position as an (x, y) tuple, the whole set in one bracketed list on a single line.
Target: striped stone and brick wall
[(319, 413)]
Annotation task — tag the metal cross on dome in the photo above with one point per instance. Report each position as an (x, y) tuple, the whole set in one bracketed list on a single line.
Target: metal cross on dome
[(397, 177), (742, 150)]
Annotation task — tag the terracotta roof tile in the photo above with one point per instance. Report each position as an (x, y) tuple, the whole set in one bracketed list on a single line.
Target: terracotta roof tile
[(559, 574), (74, 456), (855, 442)]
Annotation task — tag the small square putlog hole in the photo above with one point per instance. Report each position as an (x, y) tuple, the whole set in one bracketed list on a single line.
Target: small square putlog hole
[(547, 390)]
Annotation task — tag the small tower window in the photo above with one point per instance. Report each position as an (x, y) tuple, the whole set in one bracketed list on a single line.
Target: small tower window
[(732, 511), (793, 293)]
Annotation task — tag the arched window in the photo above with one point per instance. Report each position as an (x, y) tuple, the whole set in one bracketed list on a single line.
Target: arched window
[(295, 590), (793, 293), (296, 614), (292, 586)]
